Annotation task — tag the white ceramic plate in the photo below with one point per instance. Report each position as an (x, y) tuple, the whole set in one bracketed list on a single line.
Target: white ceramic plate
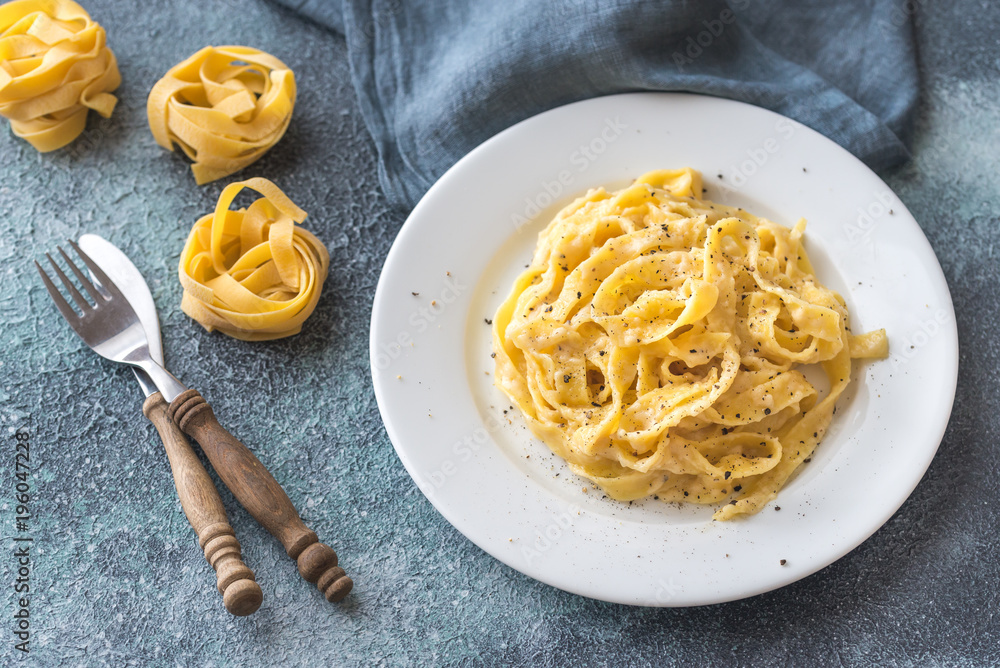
[(475, 460)]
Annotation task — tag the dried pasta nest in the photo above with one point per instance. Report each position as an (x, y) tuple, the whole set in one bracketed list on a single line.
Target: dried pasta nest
[(55, 66), (253, 273), (224, 107)]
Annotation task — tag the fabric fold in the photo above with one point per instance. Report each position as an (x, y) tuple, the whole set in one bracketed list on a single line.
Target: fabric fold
[(434, 80)]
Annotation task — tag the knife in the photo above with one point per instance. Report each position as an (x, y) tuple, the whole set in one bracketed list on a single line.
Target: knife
[(240, 470), (199, 498)]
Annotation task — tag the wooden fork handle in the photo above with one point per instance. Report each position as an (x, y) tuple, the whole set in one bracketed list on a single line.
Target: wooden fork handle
[(257, 490), (201, 503)]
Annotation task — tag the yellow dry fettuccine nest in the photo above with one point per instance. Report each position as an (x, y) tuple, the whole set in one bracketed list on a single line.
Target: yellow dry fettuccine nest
[(655, 341), (224, 106), (252, 273), (54, 67)]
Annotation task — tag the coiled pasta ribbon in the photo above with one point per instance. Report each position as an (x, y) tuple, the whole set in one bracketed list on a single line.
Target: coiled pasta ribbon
[(224, 106), (252, 273), (54, 67)]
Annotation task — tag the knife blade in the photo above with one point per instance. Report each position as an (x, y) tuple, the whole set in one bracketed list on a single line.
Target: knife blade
[(199, 498), (128, 279)]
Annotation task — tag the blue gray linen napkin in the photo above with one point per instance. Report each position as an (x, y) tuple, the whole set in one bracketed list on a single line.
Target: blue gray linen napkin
[(436, 79)]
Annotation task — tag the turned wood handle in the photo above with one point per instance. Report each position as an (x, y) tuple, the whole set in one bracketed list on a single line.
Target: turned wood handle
[(240, 592), (257, 490)]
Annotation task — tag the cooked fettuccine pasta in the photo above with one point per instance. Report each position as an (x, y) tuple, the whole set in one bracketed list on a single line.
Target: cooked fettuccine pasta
[(253, 273), (224, 106), (655, 339), (54, 67)]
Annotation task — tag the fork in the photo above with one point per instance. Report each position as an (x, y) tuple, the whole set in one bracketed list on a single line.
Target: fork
[(111, 327)]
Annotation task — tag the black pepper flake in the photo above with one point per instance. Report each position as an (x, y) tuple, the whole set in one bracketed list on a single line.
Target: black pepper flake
[(579, 294), (727, 474), (487, 321), (724, 431), (737, 488), (777, 507), (493, 354), (566, 378), (767, 411), (784, 561), (685, 493), (602, 353), (595, 404), (548, 309), (415, 294)]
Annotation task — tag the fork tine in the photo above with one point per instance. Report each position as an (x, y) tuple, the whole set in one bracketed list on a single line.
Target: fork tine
[(87, 284), (77, 297), (84, 280), (63, 306), (97, 272)]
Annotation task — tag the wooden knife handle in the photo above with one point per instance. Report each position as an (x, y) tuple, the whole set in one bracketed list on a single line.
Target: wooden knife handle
[(257, 490), (240, 592)]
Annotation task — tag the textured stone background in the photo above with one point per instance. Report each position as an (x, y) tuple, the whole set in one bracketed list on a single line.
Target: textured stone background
[(118, 577)]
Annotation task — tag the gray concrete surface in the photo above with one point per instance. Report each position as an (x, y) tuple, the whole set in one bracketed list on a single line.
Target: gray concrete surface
[(117, 576)]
